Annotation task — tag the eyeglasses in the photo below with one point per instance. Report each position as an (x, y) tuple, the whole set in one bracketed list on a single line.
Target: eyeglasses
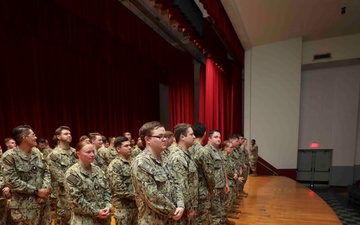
[(32, 135), (160, 137)]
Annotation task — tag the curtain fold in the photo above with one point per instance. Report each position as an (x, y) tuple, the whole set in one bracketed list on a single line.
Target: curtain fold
[(84, 65), (222, 100)]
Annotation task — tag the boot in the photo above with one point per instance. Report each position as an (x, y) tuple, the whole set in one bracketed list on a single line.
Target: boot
[(235, 211), (233, 216)]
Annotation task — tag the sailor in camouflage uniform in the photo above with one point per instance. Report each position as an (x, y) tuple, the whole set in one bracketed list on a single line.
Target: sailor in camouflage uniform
[(59, 160), (137, 149), (119, 176), (245, 164), (109, 153), (205, 168), (183, 169), (28, 177), (4, 195), (221, 182), (96, 141), (157, 198), (88, 190)]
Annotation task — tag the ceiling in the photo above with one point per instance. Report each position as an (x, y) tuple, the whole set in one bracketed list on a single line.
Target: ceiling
[(259, 22)]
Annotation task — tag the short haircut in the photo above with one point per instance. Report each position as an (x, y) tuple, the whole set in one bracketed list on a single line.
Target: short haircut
[(199, 129), (169, 134), (103, 138), (61, 128), (41, 140), (212, 132), (147, 130), (233, 137), (181, 129), (92, 136), (119, 140), (253, 140), (84, 137), (8, 139), (20, 130)]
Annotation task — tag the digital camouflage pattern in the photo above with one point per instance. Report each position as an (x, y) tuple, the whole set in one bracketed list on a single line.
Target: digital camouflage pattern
[(59, 160), (123, 195), (135, 152), (99, 160), (183, 169), (108, 154), (23, 174), (156, 194), (87, 195), (220, 182)]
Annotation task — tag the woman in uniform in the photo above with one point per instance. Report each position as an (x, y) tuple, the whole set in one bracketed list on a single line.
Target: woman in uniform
[(87, 188)]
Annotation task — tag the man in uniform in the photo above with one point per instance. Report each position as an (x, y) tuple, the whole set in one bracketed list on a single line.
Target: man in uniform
[(28, 177), (221, 183), (10, 143), (183, 169), (254, 155), (157, 198), (96, 141), (119, 176), (59, 160), (205, 168), (109, 153)]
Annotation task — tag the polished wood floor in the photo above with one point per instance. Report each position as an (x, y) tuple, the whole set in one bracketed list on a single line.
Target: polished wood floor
[(280, 200), (277, 200)]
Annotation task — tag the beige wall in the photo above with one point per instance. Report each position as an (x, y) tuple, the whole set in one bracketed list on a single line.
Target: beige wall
[(272, 100)]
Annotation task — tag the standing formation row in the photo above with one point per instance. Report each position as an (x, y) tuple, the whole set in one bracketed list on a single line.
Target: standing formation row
[(169, 182)]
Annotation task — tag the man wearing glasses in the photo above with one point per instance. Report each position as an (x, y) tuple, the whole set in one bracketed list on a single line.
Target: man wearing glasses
[(157, 197), (27, 176)]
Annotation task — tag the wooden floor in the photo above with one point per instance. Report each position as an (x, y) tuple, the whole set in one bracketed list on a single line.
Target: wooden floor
[(280, 200)]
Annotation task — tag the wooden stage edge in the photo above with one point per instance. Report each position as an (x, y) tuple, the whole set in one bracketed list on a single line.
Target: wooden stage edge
[(280, 200)]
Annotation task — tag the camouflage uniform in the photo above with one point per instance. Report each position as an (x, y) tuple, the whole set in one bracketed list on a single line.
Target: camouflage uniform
[(24, 174), (183, 169), (123, 196), (156, 196), (87, 195), (3, 200), (165, 155), (46, 152), (108, 154), (99, 160), (245, 160), (59, 161), (220, 182), (236, 158), (231, 170), (205, 168), (254, 150), (135, 152)]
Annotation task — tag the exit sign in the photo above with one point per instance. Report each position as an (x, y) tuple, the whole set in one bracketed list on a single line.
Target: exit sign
[(314, 145)]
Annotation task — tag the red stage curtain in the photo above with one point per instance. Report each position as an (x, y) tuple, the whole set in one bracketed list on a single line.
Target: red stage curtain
[(222, 100), (181, 94), (85, 64)]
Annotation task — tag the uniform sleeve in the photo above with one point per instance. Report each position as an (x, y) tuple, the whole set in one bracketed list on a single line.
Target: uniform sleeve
[(118, 180), (11, 178), (179, 172), (76, 197), (57, 174), (208, 168), (46, 177), (145, 185)]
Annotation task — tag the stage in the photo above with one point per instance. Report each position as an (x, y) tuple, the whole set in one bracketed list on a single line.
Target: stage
[(281, 200)]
